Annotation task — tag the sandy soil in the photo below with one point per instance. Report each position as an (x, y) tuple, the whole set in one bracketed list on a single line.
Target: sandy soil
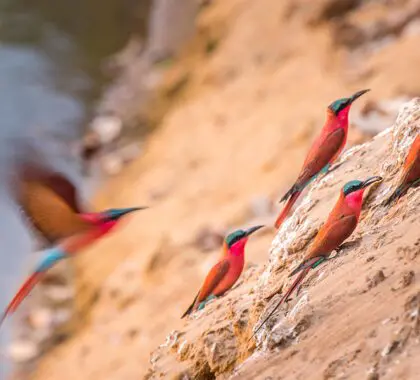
[(234, 139)]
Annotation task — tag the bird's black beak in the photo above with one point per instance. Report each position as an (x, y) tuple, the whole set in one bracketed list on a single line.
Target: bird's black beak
[(132, 209), (357, 95), (252, 230), (118, 213), (371, 180)]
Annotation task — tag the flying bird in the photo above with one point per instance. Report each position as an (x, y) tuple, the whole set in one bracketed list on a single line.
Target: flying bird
[(411, 172), (340, 224), (226, 272), (323, 152), (50, 202)]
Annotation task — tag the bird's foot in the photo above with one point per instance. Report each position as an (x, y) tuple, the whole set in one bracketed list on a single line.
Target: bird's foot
[(339, 250), (333, 168), (202, 305)]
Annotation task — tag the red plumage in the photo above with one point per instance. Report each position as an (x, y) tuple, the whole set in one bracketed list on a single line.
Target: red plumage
[(411, 172), (323, 152), (339, 225)]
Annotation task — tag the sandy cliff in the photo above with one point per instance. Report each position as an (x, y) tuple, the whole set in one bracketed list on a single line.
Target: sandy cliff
[(230, 145), (357, 315)]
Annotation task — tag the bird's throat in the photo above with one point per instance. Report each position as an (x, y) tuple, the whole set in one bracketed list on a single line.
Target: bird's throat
[(238, 248), (355, 200)]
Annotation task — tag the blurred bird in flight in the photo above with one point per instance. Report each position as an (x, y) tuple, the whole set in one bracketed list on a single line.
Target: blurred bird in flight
[(226, 272), (323, 152), (50, 202), (340, 224)]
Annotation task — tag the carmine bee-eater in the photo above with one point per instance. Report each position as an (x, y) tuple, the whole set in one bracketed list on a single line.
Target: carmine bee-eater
[(323, 152), (340, 224), (411, 172), (226, 272), (50, 202)]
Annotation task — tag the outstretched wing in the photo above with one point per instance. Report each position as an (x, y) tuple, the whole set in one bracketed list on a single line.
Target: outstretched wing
[(47, 197), (320, 155)]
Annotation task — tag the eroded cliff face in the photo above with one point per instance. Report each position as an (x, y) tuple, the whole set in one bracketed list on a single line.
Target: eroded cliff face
[(246, 102), (356, 317)]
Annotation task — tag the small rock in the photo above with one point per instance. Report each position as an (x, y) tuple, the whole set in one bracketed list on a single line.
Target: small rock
[(40, 318), (107, 128), (373, 376), (112, 164), (404, 281), (129, 152), (389, 348), (62, 316), (376, 279), (23, 351), (59, 295)]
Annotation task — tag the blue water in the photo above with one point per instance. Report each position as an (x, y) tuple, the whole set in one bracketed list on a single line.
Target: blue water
[(50, 58)]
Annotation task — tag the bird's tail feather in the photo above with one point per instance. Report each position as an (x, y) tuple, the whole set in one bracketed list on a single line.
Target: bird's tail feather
[(295, 284), (310, 263), (399, 191), (51, 257), (283, 214), (290, 192), (24, 290), (191, 307)]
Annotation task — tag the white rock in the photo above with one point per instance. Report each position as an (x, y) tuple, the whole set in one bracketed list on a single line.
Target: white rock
[(62, 316), (129, 152), (107, 128), (23, 351), (59, 295), (40, 318), (112, 164)]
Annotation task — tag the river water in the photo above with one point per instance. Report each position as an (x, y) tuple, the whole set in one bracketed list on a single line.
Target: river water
[(51, 54)]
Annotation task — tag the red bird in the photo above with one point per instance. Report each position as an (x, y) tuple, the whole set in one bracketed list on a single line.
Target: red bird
[(226, 272), (324, 150), (340, 224), (49, 200), (411, 172)]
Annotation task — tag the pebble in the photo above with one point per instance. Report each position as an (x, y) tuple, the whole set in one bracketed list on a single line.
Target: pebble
[(59, 295), (112, 164), (129, 152), (62, 316), (23, 351), (108, 128), (40, 318)]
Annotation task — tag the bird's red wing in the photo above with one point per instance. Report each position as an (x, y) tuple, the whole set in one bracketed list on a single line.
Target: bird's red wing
[(412, 163), (216, 274), (331, 235), (321, 154)]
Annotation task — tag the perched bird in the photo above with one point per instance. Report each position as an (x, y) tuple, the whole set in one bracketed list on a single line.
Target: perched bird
[(340, 224), (50, 202), (411, 172), (226, 272), (323, 152)]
